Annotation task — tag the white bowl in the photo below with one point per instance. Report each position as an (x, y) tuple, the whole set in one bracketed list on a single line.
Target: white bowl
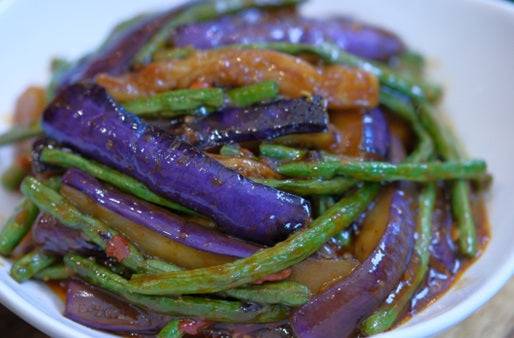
[(470, 47)]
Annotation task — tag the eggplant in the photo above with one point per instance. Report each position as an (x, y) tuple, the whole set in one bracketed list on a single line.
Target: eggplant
[(60, 239), (262, 121), (157, 219), (87, 118), (115, 56), (376, 137), (337, 311), (252, 26), (99, 309)]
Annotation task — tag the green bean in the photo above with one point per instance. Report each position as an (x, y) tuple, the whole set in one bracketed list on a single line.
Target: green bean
[(461, 207), (385, 316), (59, 68), (210, 309), (176, 102), (332, 54), (17, 226), (281, 152), (31, 263), (54, 272), (113, 177), (171, 330), (409, 63), (337, 185), (163, 266), (287, 293), (173, 53), (201, 11), (294, 249), (94, 230), (385, 171), (446, 145), (406, 110), (344, 238), (12, 177), (231, 150), (255, 93), (19, 133)]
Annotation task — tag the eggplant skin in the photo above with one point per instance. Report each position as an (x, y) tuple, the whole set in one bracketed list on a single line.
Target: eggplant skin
[(99, 309), (337, 311), (60, 239), (157, 219), (262, 121), (376, 136), (256, 25), (86, 118)]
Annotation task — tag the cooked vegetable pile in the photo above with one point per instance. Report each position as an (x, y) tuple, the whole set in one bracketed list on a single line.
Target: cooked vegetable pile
[(233, 168)]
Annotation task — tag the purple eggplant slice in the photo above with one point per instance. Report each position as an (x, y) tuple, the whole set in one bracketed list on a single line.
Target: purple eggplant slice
[(376, 137), (99, 309), (55, 237), (157, 219), (86, 117), (252, 26), (337, 311), (263, 121)]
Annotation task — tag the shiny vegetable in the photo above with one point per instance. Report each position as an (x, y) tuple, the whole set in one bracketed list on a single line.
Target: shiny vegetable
[(343, 87), (336, 311), (115, 178), (385, 316), (153, 157), (385, 171), (17, 226), (28, 265), (96, 308), (264, 121), (211, 309), (176, 102), (252, 26), (199, 11), (156, 219), (332, 54), (294, 249)]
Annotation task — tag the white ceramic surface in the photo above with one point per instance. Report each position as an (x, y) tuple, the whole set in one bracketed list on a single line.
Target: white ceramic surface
[(470, 46)]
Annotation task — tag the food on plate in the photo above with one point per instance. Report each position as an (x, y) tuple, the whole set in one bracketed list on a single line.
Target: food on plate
[(236, 168)]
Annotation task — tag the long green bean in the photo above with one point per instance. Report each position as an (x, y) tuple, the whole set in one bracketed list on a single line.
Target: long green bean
[(287, 293), (280, 152), (201, 11), (332, 54), (406, 110), (210, 309), (12, 177), (113, 177), (385, 316), (337, 185), (255, 93), (294, 249), (97, 232), (17, 226), (176, 102), (173, 53), (19, 133), (461, 206), (385, 171), (30, 264), (54, 272), (171, 330)]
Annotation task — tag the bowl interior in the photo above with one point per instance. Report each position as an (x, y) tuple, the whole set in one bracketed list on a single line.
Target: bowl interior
[(468, 44)]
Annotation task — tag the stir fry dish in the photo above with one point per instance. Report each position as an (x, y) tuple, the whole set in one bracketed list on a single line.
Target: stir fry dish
[(234, 168)]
